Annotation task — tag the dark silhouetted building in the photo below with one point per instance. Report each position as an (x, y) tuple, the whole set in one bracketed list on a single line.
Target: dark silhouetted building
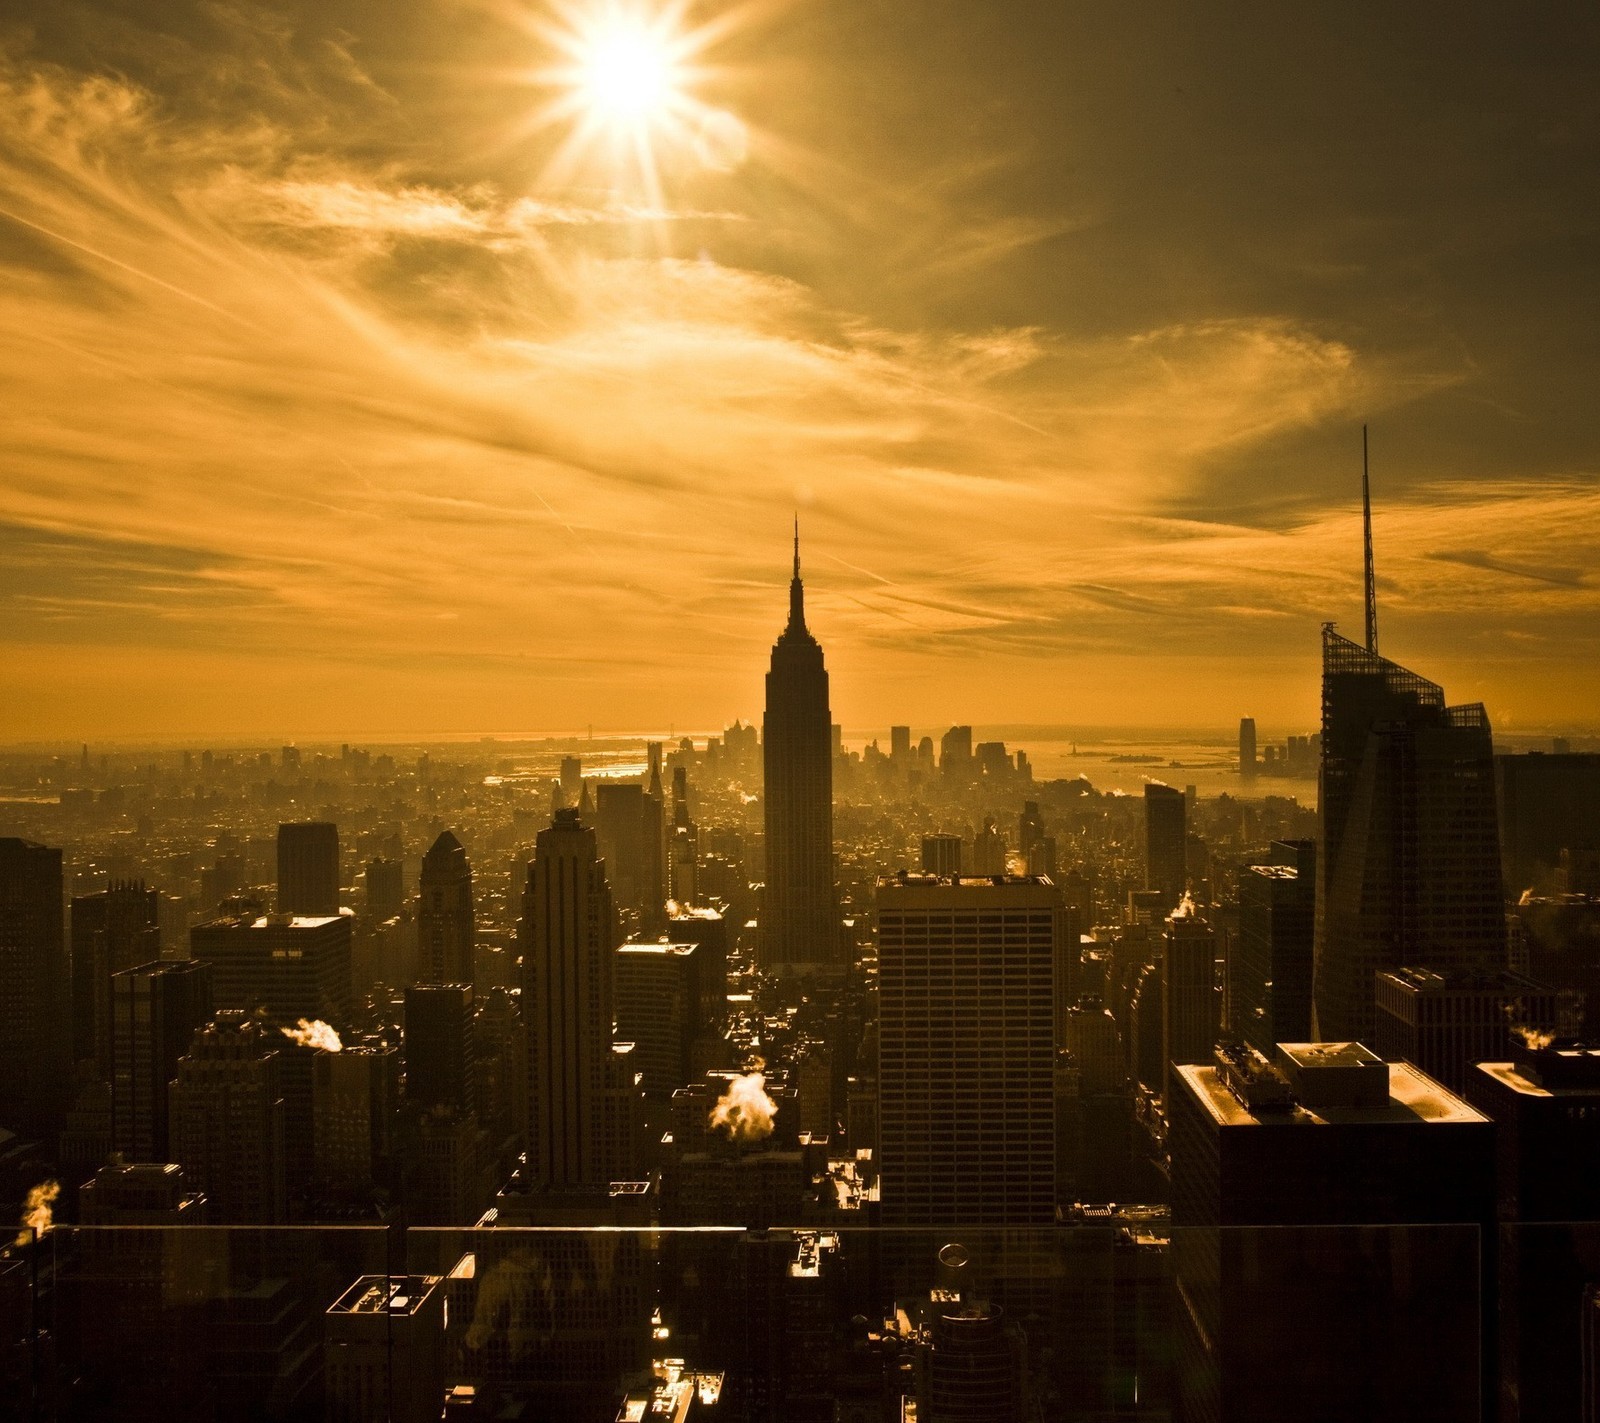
[(1247, 748), (1409, 868), (1269, 960), (659, 1010), (1379, 1319), (355, 1095), (1446, 1022), (227, 1121), (1166, 836), (1190, 1003), (1544, 1100), (293, 966), (34, 1019), (439, 1050), (446, 929), (579, 1123), (966, 1049), (386, 888), (1549, 807), (385, 1351), (800, 917), (110, 931), (308, 868), (156, 1009)]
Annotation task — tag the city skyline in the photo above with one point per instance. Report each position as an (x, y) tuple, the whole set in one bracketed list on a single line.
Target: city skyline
[(1094, 308)]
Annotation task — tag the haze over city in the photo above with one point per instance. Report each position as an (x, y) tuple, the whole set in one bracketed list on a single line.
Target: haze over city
[(380, 369)]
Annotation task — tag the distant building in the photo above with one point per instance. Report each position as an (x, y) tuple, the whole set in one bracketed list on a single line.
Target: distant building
[(1379, 1323), (966, 1050), (156, 1009), (386, 889), (1247, 748), (800, 915), (1446, 1022), (659, 1005), (941, 855), (111, 931), (308, 868), (1409, 867), (900, 743), (293, 966), (446, 927), (355, 1094), (989, 849), (1270, 958), (34, 987), (1166, 843)]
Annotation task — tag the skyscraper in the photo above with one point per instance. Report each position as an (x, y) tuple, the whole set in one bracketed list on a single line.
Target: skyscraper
[(1247, 748), (439, 1051), (290, 965), (156, 1009), (308, 868), (800, 929), (110, 931), (1189, 1002), (1408, 871), (966, 1049), (941, 854), (1269, 960), (33, 985), (1165, 842), (446, 929), (575, 1135)]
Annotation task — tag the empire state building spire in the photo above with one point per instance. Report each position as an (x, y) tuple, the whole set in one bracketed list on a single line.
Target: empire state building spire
[(797, 592)]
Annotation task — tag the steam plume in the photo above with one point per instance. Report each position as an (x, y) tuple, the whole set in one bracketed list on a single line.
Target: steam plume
[(38, 1211), (315, 1034), (1533, 1038), (745, 1111)]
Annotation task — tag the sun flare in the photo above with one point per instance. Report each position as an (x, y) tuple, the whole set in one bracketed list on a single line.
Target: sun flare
[(628, 75)]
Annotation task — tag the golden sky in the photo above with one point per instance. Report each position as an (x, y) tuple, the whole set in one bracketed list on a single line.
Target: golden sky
[(381, 365)]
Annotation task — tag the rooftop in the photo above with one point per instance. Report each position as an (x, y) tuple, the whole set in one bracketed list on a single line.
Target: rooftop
[(659, 949), (377, 1294)]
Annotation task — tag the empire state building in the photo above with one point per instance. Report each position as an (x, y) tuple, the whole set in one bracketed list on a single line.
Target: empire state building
[(801, 918)]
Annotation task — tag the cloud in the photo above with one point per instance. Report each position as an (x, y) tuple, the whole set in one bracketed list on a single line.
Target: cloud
[(280, 389)]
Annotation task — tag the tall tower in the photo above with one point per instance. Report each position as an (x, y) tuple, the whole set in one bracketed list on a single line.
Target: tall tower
[(801, 919), (33, 986), (566, 939), (308, 868), (1166, 847), (111, 931), (446, 929)]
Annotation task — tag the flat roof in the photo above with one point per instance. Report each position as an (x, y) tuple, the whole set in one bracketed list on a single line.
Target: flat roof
[(379, 1294), (674, 950), (1507, 1074), (1414, 1097), (906, 880)]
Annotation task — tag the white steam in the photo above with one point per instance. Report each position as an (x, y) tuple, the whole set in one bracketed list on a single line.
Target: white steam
[(745, 1111), (317, 1034), (38, 1211)]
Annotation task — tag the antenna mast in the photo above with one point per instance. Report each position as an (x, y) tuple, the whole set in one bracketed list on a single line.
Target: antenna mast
[(1366, 536)]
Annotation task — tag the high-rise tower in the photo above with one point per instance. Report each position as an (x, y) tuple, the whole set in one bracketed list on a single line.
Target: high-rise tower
[(446, 930), (801, 921), (576, 1132), (1408, 868)]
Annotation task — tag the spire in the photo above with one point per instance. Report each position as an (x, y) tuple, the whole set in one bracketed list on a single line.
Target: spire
[(1366, 534), (797, 597)]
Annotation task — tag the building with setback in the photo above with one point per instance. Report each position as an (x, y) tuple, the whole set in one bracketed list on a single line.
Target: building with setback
[(579, 1092), (308, 868), (34, 1033), (156, 1009), (966, 1049), (446, 928), (110, 931), (800, 916), (1327, 1208), (227, 1120), (1409, 855)]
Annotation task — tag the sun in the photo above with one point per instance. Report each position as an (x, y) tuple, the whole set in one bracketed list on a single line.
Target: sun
[(628, 74)]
